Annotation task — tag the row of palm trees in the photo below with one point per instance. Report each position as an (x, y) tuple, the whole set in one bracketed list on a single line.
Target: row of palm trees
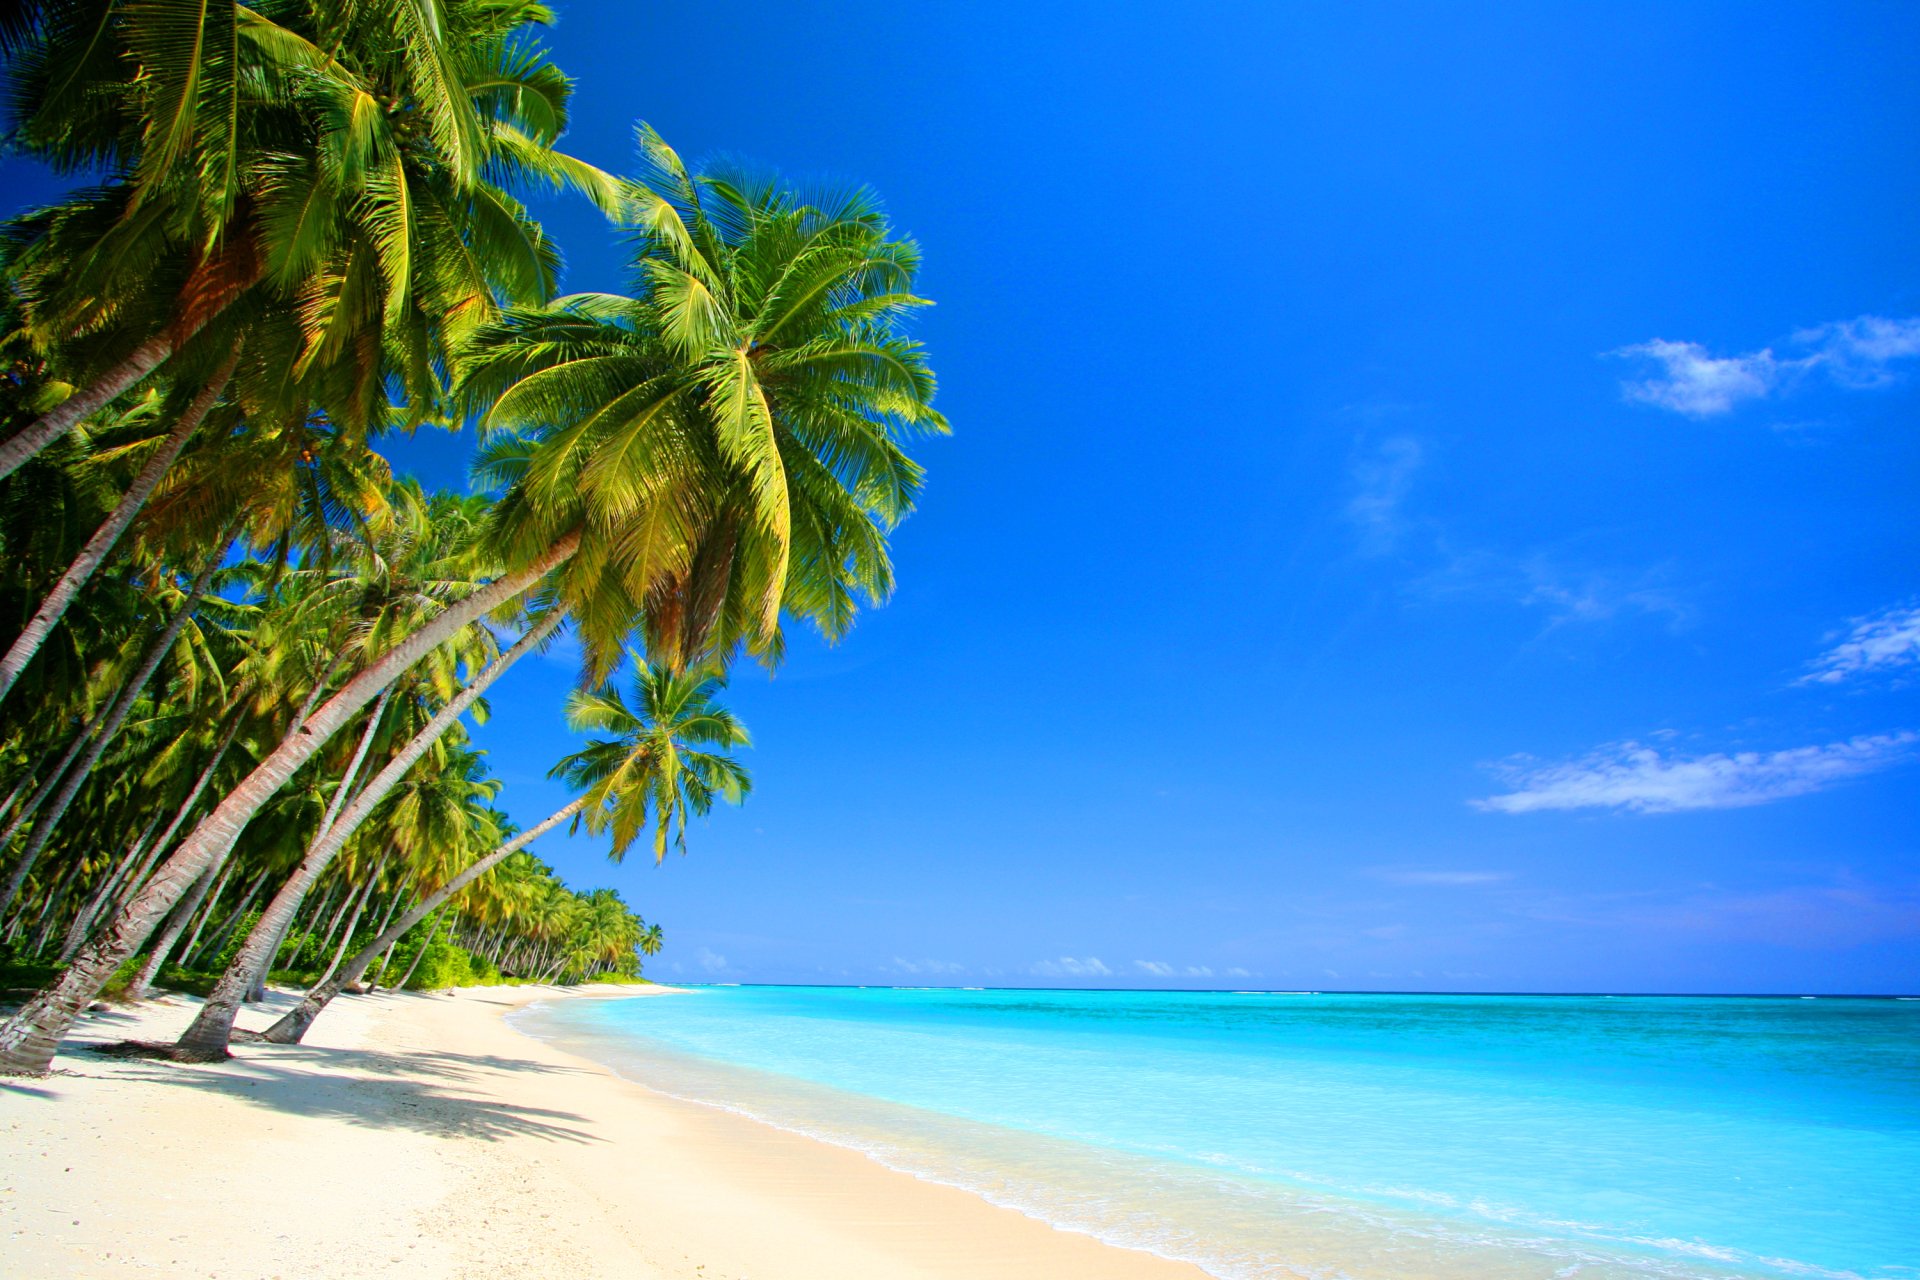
[(239, 651)]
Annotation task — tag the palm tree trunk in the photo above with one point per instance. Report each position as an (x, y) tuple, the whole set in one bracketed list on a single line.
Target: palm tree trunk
[(142, 985), (62, 418), (352, 775), (257, 989), (57, 896), (186, 806), (191, 951), (55, 606), (77, 931), (211, 949), (20, 788), (129, 693), (346, 938), (333, 925), (421, 954), (122, 705), (47, 787), (339, 893), (212, 1029), (29, 1039), (393, 904), (294, 1023), (314, 917), (215, 284)]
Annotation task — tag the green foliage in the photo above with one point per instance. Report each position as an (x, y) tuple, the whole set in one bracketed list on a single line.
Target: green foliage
[(616, 978), (444, 965), (235, 942), (122, 978), (21, 974), (323, 201), (193, 982)]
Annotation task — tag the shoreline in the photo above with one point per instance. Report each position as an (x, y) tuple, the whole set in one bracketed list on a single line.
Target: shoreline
[(422, 1134)]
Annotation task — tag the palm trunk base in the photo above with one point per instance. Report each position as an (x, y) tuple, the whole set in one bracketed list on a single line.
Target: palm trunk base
[(207, 1039), (293, 1024), (29, 1054)]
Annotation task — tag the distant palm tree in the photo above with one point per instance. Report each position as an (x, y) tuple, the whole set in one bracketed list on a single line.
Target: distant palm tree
[(651, 770)]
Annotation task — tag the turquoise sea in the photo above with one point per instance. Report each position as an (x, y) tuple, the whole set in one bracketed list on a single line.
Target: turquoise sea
[(1362, 1136)]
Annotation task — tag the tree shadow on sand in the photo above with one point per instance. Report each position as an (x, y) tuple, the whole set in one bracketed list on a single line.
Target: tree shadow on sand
[(368, 1088)]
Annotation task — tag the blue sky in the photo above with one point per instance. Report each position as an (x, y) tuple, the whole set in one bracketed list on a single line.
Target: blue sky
[(1431, 503)]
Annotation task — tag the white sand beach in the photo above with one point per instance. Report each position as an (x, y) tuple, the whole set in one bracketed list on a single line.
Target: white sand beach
[(419, 1135)]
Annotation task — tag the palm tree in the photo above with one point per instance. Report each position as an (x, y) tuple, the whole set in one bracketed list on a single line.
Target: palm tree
[(211, 1030), (652, 768), (60, 599), (27, 1040), (626, 473), (358, 160), (741, 419)]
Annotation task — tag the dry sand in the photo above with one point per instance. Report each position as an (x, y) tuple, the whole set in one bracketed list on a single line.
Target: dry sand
[(420, 1136)]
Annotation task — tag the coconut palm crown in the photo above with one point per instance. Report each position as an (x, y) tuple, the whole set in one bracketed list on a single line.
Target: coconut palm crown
[(652, 768), (729, 439)]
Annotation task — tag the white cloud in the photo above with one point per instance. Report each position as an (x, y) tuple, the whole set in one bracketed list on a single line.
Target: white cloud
[(1069, 967), (1887, 639), (1855, 354), (927, 966), (1237, 972), (1406, 876), (1161, 969), (1639, 778), (1381, 482), (710, 960), (1698, 384)]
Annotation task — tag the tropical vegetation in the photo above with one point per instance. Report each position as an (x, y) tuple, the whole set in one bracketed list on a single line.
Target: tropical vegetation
[(243, 658)]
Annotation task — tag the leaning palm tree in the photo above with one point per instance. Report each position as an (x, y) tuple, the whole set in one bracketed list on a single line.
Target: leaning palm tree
[(634, 489), (651, 771), (742, 417), (335, 155)]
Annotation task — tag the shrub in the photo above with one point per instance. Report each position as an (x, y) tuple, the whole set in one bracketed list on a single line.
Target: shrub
[(444, 965)]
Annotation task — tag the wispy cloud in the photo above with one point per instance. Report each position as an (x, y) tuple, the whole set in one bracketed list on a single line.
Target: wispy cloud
[(710, 960), (1689, 379), (1857, 352), (1596, 596), (1382, 478), (1640, 779), (1071, 967), (1883, 641), (1161, 969), (1419, 877), (932, 967), (1566, 594)]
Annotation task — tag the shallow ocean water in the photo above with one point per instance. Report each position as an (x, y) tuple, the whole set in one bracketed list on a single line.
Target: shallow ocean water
[(1361, 1136)]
